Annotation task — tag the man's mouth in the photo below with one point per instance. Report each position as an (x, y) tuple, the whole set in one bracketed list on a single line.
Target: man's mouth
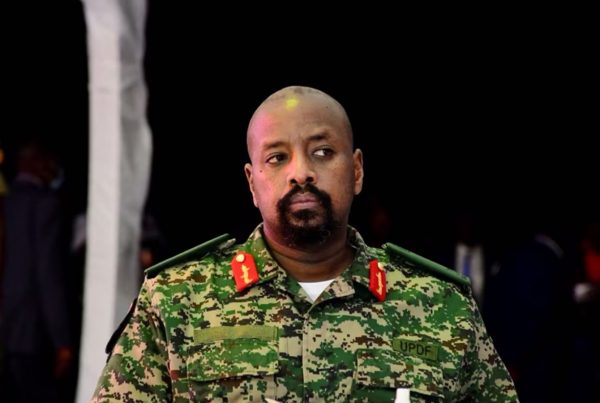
[(301, 201)]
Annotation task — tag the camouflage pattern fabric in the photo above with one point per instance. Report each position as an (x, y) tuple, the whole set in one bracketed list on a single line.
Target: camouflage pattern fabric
[(193, 337)]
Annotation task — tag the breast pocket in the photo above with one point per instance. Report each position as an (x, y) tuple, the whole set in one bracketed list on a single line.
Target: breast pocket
[(379, 373), (233, 367)]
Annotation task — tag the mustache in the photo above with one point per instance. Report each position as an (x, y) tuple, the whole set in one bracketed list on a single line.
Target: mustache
[(322, 196)]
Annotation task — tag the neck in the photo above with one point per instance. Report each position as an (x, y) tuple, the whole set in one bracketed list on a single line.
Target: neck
[(320, 262)]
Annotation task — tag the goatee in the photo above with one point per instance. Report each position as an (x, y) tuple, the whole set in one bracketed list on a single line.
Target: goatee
[(296, 227)]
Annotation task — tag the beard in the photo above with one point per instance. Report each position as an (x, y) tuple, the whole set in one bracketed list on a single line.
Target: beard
[(306, 226)]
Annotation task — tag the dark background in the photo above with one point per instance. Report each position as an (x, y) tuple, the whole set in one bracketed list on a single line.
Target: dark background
[(492, 115), (496, 117)]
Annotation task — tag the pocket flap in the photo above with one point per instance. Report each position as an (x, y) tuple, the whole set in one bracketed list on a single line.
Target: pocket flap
[(391, 369), (226, 353)]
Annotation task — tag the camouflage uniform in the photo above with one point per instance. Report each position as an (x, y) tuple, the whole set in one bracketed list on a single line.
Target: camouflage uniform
[(193, 337)]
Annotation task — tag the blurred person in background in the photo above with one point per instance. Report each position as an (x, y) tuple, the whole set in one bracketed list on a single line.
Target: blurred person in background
[(34, 325), (3, 191), (530, 309), (586, 375)]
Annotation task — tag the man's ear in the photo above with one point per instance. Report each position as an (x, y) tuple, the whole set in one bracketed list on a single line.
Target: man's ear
[(250, 179), (358, 171)]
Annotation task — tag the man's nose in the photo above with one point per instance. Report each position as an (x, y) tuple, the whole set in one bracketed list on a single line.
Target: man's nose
[(301, 172)]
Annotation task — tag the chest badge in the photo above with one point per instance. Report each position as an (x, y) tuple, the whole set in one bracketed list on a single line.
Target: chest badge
[(377, 283), (244, 270)]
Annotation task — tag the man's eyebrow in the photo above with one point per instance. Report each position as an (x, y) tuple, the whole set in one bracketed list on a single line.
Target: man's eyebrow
[(271, 145), (324, 135), (313, 137)]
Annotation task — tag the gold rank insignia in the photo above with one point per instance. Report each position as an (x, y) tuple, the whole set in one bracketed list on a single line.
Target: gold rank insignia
[(377, 279), (244, 270)]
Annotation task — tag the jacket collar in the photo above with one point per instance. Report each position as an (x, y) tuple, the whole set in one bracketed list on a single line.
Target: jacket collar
[(269, 270)]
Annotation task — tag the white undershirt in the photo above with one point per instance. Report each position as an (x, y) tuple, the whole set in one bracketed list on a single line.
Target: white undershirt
[(315, 289)]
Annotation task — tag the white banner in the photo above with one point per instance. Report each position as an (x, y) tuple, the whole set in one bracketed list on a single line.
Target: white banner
[(120, 158)]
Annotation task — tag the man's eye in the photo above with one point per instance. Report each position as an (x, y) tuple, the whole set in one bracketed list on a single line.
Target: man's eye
[(323, 152), (275, 158)]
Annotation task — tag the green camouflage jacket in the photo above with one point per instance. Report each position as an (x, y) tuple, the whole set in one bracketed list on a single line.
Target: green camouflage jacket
[(194, 337)]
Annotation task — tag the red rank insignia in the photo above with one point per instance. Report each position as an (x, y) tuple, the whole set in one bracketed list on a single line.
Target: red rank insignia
[(377, 279), (244, 270)]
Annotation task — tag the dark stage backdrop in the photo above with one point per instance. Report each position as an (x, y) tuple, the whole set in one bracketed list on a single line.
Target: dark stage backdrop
[(500, 123)]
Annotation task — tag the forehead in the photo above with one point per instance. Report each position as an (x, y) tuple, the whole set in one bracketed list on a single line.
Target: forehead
[(298, 116)]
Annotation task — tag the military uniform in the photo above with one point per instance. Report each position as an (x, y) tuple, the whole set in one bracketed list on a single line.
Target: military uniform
[(201, 333)]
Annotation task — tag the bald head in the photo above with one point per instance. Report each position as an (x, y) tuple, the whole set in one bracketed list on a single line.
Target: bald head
[(300, 140), (304, 102)]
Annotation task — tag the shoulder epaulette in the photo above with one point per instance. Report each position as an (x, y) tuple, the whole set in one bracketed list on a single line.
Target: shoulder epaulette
[(195, 252), (427, 264)]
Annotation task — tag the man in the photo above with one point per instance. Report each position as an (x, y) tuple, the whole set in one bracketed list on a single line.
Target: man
[(35, 330), (303, 310), (532, 293)]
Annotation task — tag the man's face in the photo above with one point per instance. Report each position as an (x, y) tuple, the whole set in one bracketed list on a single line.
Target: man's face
[(304, 174)]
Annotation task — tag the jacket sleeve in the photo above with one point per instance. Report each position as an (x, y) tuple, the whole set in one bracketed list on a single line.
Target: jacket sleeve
[(486, 378), (137, 369)]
